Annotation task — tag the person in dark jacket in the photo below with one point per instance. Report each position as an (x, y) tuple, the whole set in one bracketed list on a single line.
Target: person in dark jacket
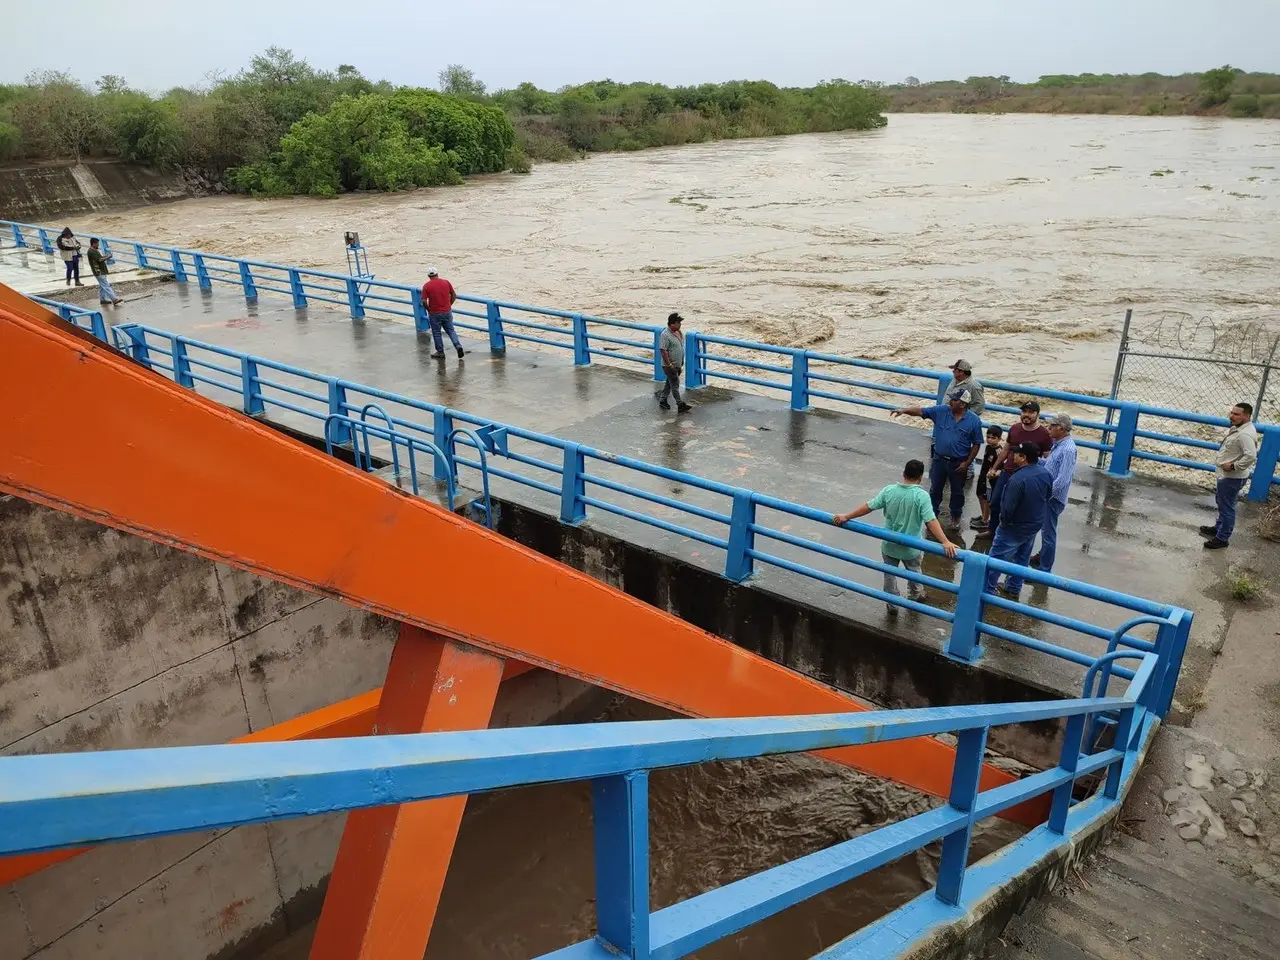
[(98, 264), (69, 250), (1025, 501)]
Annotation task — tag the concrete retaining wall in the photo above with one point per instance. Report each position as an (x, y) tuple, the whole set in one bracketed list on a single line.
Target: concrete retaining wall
[(39, 193), (111, 641)]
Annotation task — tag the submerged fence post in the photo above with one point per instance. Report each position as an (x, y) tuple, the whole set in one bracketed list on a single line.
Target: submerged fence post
[(964, 642), (695, 368), (1265, 469), (354, 301), (620, 813), (1125, 437), (251, 390), (497, 338), (179, 269), (246, 281), (572, 485), (581, 350), (202, 271), (738, 562), (800, 380), (295, 287), (965, 775)]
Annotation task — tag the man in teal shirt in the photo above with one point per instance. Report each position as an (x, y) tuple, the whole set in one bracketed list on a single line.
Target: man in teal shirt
[(907, 510)]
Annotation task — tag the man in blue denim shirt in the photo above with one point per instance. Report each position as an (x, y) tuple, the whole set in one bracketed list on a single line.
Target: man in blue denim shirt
[(957, 437), (1061, 464), (1026, 492)]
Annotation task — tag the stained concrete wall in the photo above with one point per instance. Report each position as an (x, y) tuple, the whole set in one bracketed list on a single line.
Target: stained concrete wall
[(111, 641), (38, 193)]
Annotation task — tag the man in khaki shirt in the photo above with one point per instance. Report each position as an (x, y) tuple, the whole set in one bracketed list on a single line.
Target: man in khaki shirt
[(1234, 463)]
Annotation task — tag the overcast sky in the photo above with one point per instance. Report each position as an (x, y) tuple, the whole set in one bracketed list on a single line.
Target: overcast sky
[(156, 44)]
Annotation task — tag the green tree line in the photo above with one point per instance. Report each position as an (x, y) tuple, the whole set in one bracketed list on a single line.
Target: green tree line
[(281, 126)]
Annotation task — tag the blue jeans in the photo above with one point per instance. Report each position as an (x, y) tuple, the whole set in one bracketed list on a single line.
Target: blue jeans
[(993, 499), (1049, 534), (106, 294), (73, 268), (1012, 546), (1228, 493), (942, 470), (445, 321)]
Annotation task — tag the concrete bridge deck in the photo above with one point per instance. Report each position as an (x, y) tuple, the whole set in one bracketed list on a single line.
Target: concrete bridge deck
[(1138, 535)]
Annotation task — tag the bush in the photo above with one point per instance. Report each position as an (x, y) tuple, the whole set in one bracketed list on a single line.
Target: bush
[(518, 161), (1244, 105), (10, 141), (148, 132)]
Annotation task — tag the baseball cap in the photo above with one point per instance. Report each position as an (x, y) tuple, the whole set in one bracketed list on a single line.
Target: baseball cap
[(962, 365), (432, 272), (962, 395), (675, 318), (1028, 450), (1031, 405), (1062, 420)]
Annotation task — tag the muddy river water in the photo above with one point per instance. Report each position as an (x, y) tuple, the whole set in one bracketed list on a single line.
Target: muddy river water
[(1017, 240)]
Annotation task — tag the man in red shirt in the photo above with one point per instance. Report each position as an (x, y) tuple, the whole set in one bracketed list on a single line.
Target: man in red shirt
[(1028, 429), (438, 295)]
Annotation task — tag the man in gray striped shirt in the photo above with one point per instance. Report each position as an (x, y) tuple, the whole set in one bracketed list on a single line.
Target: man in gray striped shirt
[(671, 346)]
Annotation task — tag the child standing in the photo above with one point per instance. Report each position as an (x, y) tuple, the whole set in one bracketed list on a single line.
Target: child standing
[(989, 454)]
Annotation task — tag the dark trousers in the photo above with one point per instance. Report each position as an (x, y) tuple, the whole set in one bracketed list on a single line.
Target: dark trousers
[(941, 471), (443, 321), (73, 269), (993, 501), (1228, 494)]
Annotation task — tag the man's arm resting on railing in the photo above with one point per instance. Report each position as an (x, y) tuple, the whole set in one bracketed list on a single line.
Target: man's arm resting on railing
[(935, 531), (840, 519)]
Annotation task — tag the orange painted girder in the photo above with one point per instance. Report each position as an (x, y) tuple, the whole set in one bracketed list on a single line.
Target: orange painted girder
[(93, 433)]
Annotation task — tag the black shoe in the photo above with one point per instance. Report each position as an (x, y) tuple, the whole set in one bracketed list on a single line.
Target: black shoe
[(437, 356), (986, 533), (1215, 544), (1035, 562), (683, 408), (977, 523), (1210, 531), (1006, 592), (461, 353), (663, 405)]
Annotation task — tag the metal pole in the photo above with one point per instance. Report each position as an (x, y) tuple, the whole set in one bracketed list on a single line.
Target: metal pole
[(1266, 375), (1115, 380)]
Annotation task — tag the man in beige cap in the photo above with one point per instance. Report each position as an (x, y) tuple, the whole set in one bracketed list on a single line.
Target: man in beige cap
[(962, 378), (1061, 464)]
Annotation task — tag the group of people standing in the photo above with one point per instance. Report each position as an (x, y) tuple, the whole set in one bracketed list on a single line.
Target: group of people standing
[(70, 250), (1023, 484)]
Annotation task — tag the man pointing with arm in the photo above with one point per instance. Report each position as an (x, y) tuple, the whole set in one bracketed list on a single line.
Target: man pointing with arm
[(957, 437)]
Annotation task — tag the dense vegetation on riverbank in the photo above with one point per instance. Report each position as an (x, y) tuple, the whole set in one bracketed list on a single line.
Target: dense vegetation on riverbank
[(281, 126), (1225, 91)]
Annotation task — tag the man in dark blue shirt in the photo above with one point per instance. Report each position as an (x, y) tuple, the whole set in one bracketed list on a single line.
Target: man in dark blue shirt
[(957, 436), (1025, 500)]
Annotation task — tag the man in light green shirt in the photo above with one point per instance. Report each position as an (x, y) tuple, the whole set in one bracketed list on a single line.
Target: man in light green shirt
[(908, 511)]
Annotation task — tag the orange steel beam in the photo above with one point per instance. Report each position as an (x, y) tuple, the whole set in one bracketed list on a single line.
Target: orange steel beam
[(93, 433), (391, 864)]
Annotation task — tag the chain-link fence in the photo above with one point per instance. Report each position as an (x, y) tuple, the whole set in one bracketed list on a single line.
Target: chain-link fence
[(1199, 365)]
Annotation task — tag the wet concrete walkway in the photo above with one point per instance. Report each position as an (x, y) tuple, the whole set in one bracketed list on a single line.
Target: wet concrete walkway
[(1137, 535)]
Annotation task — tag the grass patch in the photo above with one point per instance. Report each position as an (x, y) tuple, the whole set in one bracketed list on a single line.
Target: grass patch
[(1162, 173), (1242, 585), (687, 202), (1204, 186)]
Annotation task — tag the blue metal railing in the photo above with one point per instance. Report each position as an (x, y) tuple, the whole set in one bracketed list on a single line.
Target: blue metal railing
[(801, 375), (68, 800), (90, 321), (574, 478)]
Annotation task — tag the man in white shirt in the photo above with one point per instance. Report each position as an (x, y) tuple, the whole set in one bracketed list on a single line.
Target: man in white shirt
[(1234, 465)]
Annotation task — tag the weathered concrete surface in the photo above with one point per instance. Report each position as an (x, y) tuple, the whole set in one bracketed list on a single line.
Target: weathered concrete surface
[(41, 192), (112, 641)]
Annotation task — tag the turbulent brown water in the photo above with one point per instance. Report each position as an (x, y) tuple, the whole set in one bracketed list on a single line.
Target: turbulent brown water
[(1022, 238)]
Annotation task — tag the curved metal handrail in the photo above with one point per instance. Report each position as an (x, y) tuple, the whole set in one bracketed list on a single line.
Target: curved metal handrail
[(476, 442)]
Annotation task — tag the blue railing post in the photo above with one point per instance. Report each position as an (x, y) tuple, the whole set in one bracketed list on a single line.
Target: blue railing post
[(965, 640), (800, 380), (179, 269), (338, 405), (581, 350), (572, 485), (620, 814), (421, 322), (138, 346), (695, 367), (246, 281), (98, 325), (442, 429), (1171, 643), (1265, 469), (970, 747), (296, 288), (18, 239), (251, 389), (181, 364), (140, 255), (104, 246), (944, 381), (738, 562), (46, 244), (1070, 762), (497, 339), (658, 374), (354, 301), (1124, 733), (202, 271), (1125, 436)]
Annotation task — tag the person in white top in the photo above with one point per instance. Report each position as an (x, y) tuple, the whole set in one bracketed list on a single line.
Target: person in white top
[(1233, 465)]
